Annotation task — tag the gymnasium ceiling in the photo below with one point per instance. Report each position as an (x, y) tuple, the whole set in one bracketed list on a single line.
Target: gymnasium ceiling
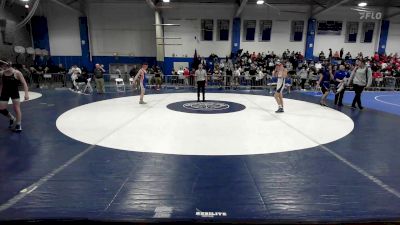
[(321, 3), (316, 3)]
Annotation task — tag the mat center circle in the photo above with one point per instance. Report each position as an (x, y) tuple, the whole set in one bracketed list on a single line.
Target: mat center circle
[(207, 107)]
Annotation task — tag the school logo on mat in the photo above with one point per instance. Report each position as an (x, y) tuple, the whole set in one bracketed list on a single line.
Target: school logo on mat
[(208, 107), (210, 214)]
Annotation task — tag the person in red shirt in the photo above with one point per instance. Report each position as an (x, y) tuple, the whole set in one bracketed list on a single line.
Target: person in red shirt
[(253, 56), (376, 56), (186, 74)]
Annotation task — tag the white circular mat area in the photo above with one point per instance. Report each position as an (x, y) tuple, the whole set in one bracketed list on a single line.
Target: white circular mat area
[(123, 124), (32, 96)]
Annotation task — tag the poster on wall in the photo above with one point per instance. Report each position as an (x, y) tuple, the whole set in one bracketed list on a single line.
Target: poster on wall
[(180, 65)]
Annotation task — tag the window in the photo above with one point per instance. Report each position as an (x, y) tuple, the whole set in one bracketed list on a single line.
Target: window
[(207, 28), (223, 30), (265, 30), (249, 27), (297, 30), (368, 32), (351, 32)]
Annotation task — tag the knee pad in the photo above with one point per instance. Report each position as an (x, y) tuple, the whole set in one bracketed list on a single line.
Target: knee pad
[(4, 112)]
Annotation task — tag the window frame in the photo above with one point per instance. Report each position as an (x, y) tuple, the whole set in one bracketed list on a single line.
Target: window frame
[(245, 30), (203, 30)]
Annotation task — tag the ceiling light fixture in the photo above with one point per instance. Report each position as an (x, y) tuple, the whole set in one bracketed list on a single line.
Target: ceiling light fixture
[(260, 2), (166, 1), (26, 6), (362, 4)]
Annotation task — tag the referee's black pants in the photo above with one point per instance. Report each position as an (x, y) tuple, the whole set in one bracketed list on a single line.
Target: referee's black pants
[(201, 85)]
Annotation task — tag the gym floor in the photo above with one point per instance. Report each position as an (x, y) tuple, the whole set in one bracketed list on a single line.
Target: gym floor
[(107, 158)]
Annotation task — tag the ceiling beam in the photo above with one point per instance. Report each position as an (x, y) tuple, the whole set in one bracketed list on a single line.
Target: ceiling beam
[(317, 3), (70, 2), (67, 6), (391, 15), (241, 8), (329, 7), (151, 4)]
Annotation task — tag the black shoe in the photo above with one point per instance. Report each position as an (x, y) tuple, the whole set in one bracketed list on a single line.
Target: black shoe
[(12, 121), (340, 105), (198, 100), (280, 110), (360, 107), (353, 107), (18, 128), (204, 100)]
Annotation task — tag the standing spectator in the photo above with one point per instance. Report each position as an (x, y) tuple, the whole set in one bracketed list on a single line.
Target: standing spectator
[(376, 57), (252, 73), (180, 74), (133, 71), (118, 72), (99, 77), (236, 77), (157, 77), (348, 56), (361, 78), (132, 74), (341, 53), (330, 54), (26, 73), (191, 78), (39, 72), (186, 74), (303, 74), (336, 55), (341, 79), (63, 73), (85, 73), (228, 77), (321, 56)]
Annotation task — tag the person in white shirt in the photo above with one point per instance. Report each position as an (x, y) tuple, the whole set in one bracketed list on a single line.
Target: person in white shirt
[(303, 74), (236, 76), (318, 66), (75, 71), (260, 75), (118, 72), (180, 74)]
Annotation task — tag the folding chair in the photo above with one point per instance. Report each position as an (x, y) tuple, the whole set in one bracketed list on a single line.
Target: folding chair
[(47, 77), (88, 86), (120, 85)]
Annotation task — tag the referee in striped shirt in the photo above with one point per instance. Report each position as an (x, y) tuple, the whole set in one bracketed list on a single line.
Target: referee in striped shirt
[(201, 79)]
